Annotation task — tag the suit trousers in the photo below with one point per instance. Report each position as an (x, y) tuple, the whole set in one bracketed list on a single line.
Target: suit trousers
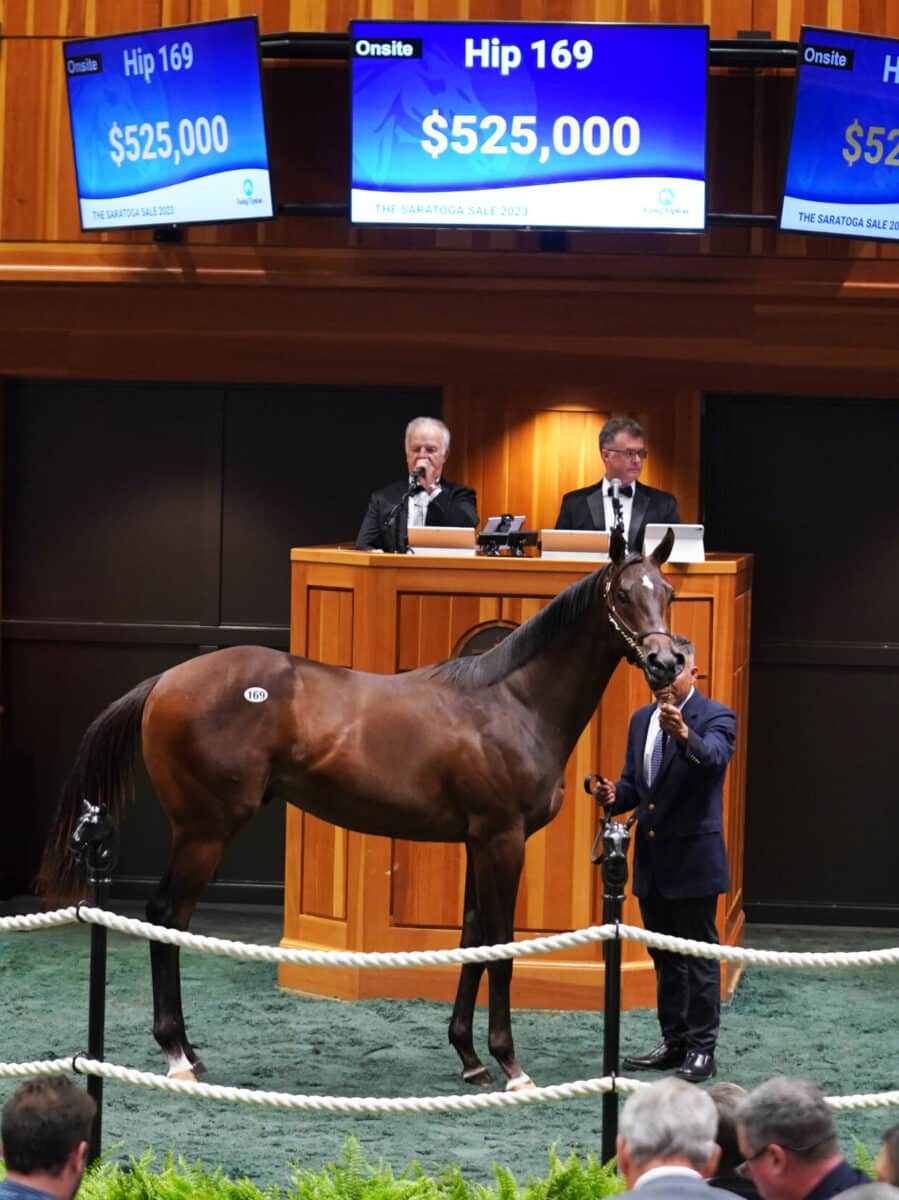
[(688, 989)]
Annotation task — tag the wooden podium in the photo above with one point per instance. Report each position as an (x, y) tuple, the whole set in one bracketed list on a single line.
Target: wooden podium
[(348, 891)]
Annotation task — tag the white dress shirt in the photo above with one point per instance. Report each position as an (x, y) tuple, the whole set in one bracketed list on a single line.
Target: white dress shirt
[(653, 730)]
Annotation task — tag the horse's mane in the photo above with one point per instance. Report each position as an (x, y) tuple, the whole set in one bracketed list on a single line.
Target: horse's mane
[(520, 646)]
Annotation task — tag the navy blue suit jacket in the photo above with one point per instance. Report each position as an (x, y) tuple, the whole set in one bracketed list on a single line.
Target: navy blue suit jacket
[(679, 843), (584, 509), (455, 505)]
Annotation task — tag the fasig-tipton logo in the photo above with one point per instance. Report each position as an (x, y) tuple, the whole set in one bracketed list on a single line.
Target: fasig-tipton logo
[(386, 47), (85, 64), (827, 56)]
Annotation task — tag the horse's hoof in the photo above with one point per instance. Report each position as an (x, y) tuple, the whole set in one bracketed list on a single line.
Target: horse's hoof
[(478, 1077), (520, 1083), (186, 1074)]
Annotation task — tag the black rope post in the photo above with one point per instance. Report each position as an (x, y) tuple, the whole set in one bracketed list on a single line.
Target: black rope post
[(615, 838), (95, 844)]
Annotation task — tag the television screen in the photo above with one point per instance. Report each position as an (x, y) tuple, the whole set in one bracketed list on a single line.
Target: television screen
[(842, 175), (168, 126), (566, 126)]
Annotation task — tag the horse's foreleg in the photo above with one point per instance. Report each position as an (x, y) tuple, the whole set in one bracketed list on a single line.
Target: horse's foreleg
[(497, 870), (462, 1020), (192, 865)]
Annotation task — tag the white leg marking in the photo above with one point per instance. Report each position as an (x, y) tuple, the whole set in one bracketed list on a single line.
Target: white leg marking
[(180, 1068)]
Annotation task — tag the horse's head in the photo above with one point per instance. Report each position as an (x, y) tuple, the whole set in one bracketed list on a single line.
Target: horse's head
[(637, 600)]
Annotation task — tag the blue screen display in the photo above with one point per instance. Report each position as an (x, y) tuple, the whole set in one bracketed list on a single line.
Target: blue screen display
[(168, 126), (567, 126), (843, 164)]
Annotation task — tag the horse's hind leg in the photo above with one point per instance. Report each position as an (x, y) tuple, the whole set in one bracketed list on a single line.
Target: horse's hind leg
[(461, 1022), (192, 865)]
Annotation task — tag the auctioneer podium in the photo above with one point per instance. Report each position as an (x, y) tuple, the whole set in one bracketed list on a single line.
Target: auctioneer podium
[(348, 891)]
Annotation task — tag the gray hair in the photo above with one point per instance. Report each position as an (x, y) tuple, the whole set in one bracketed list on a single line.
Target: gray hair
[(410, 428), (669, 1119), (684, 643), (791, 1113), (617, 425)]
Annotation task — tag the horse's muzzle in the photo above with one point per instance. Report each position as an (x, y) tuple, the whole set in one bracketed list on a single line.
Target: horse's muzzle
[(662, 665)]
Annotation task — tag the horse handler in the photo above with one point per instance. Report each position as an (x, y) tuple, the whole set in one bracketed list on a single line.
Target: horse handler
[(677, 755)]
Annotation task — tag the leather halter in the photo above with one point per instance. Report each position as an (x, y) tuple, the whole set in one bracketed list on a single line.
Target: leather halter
[(630, 637)]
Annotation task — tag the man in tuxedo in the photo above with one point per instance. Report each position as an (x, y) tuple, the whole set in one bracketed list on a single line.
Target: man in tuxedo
[(423, 498), (677, 755), (789, 1142), (666, 1144), (622, 445)]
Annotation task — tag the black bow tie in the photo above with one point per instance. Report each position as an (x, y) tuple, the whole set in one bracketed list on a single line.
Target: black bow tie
[(627, 490)]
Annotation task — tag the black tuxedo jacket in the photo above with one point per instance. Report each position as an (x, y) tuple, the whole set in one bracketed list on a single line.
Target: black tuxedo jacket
[(456, 505), (584, 509), (679, 843)]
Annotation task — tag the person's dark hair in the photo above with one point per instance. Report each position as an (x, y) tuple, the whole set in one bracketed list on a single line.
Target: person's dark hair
[(890, 1141), (617, 425), (727, 1097), (43, 1122), (791, 1113)]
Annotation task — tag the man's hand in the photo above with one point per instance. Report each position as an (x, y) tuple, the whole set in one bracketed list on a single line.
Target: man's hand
[(431, 476), (672, 722), (604, 791)]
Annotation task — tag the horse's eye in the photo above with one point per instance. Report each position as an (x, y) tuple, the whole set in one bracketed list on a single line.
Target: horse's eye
[(623, 597)]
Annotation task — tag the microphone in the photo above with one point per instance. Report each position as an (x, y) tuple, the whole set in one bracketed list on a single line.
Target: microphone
[(418, 473), (615, 488)]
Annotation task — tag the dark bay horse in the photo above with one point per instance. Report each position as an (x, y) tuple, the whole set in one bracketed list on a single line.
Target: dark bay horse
[(471, 750)]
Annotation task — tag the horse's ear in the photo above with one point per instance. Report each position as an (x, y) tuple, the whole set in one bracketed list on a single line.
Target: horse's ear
[(617, 547), (661, 552)]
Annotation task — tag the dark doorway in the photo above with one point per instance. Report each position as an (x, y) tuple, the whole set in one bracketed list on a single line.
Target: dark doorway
[(144, 524), (801, 484)]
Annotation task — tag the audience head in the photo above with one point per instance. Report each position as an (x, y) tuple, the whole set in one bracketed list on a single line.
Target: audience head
[(787, 1137), (871, 1191), (671, 1122), (726, 1097), (886, 1166), (45, 1130), (622, 446)]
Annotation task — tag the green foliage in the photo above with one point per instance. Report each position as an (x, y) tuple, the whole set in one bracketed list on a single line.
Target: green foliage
[(351, 1177), (864, 1159)]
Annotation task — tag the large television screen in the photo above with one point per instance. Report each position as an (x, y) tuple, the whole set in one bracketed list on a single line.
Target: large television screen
[(843, 164), (168, 126), (569, 126)]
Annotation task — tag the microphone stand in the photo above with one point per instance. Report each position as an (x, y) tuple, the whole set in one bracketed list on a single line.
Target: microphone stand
[(394, 518)]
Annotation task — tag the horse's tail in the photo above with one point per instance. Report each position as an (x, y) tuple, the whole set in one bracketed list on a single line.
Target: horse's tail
[(102, 774)]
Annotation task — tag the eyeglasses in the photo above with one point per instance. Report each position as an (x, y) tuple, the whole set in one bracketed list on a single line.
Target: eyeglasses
[(743, 1169), (634, 455)]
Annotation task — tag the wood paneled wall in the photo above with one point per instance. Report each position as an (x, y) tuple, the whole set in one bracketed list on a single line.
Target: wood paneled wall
[(522, 448)]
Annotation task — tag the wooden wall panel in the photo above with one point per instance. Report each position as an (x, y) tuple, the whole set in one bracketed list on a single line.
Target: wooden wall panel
[(323, 861), (522, 451)]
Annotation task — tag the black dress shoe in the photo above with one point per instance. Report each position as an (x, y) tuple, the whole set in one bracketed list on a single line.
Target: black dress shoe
[(663, 1058), (697, 1067)]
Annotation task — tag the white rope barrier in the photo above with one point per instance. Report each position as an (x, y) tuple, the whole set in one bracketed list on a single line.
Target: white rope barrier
[(346, 1104), (579, 1089), (61, 916), (472, 954), (422, 958)]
